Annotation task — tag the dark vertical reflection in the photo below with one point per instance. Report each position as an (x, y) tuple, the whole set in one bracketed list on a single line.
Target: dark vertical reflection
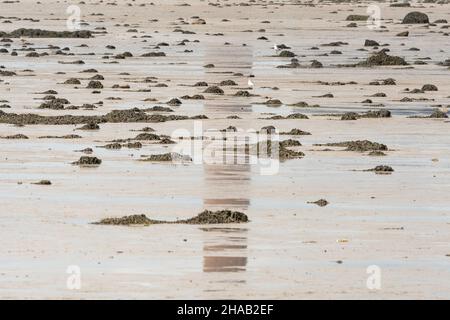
[(228, 60), (227, 185), (232, 62), (225, 249)]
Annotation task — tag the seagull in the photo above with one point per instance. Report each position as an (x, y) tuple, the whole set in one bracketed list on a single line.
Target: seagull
[(250, 83), (275, 47), (444, 109)]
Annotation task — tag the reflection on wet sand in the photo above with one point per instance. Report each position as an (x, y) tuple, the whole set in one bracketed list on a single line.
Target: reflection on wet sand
[(224, 264), (218, 177), (238, 173), (224, 248), (237, 58)]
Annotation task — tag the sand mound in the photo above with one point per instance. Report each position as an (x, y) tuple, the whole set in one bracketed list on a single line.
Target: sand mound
[(88, 161), (381, 170), (38, 33), (357, 17), (206, 217), (357, 145), (383, 59), (415, 17), (214, 90)]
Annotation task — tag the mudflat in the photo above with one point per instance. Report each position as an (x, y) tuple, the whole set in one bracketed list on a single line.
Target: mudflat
[(101, 127)]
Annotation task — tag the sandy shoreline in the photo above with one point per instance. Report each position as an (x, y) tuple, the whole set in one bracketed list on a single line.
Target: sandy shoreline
[(290, 249)]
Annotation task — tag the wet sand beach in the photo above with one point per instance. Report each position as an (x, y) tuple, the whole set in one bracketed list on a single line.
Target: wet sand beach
[(291, 248)]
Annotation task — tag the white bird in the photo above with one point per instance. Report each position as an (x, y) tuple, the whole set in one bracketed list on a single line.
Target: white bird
[(277, 50), (250, 83), (444, 109)]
